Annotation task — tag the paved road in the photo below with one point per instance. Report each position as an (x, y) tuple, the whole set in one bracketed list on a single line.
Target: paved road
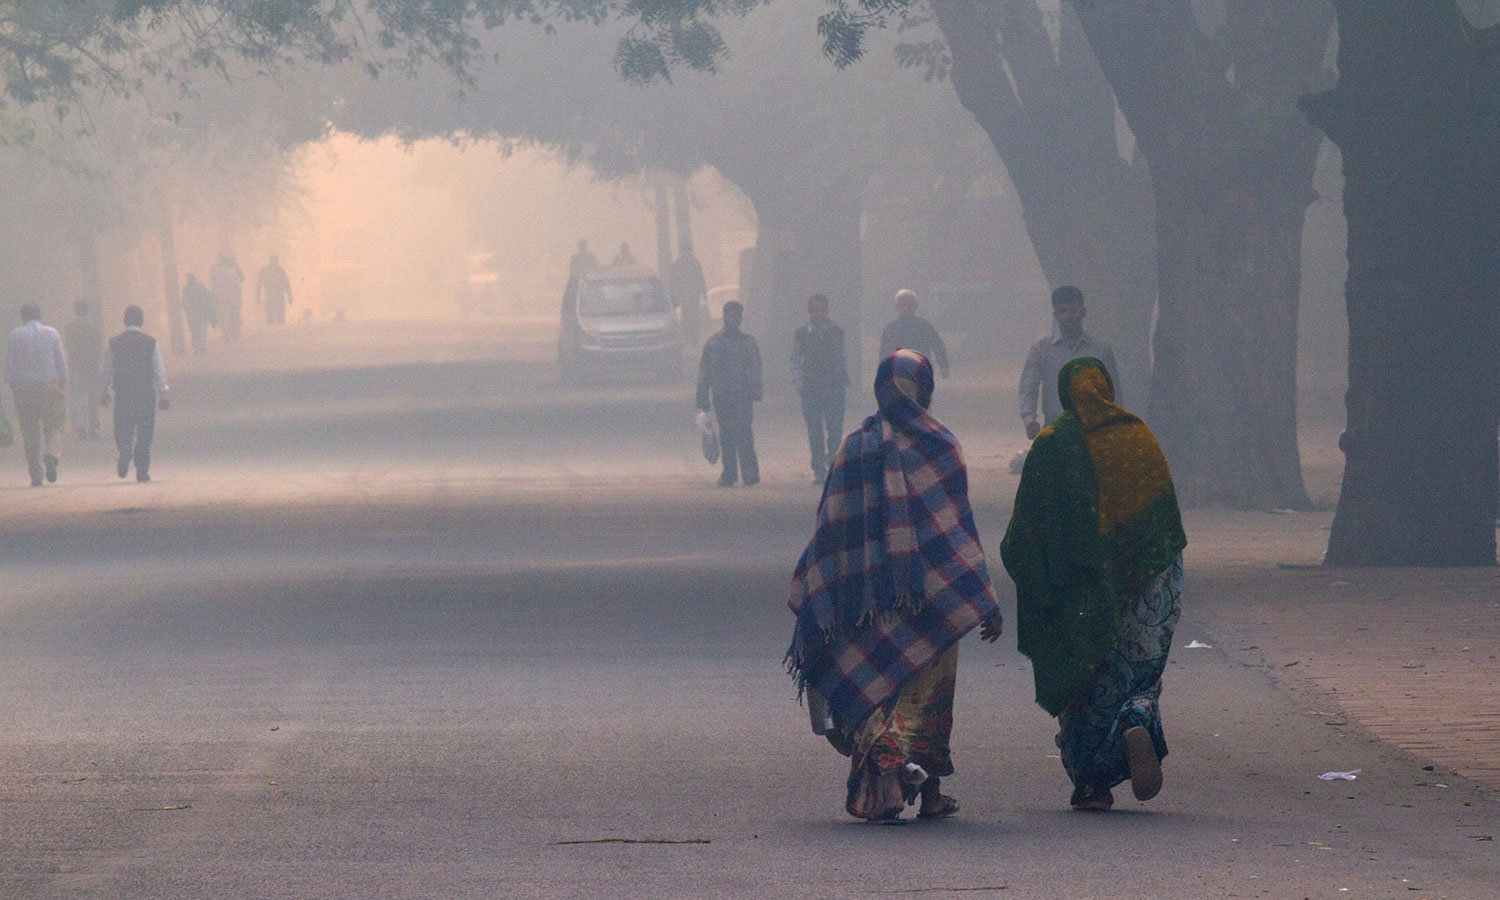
[(414, 629)]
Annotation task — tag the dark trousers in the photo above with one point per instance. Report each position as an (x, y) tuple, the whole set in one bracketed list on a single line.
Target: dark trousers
[(275, 312), (135, 424), (824, 415), (736, 437), (198, 328)]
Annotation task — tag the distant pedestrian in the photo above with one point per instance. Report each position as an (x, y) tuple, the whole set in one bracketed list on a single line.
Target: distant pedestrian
[(1095, 549), (37, 369), (582, 262), (624, 257), (227, 283), (199, 310), (892, 579), (274, 289), (1049, 354), (85, 348), (821, 373), (913, 332), (134, 369), (729, 374)]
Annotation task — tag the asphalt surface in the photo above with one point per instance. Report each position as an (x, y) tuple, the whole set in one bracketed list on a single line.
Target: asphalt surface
[(417, 622)]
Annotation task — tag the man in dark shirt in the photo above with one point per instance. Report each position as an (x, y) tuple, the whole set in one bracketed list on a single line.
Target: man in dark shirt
[(912, 332), (134, 368), (820, 373), (198, 309), (84, 346), (274, 289), (729, 374)]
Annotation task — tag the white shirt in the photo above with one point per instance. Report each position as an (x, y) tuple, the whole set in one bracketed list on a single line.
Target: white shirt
[(1045, 361), (35, 354), (158, 367)]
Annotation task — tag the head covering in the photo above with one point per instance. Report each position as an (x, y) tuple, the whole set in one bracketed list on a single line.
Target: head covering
[(894, 574), (1095, 519)]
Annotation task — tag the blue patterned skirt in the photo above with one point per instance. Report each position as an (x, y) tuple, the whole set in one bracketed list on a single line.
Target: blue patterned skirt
[(1123, 692)]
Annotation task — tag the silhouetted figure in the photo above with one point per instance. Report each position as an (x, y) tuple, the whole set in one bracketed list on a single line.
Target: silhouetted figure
[(821, 374), (199, 310), (624, 257), (1050, 354), (85, 347), (729, 373), (687, 287), (227, 283), (912, 332), (274, 290), (37, 370), (582, 262), (134, 368)]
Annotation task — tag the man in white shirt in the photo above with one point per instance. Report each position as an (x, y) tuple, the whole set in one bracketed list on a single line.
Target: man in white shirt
[(134, 368), (37, 370), (1051, 353)]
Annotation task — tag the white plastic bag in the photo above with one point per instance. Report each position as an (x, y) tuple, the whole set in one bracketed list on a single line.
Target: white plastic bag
[(710, 434)]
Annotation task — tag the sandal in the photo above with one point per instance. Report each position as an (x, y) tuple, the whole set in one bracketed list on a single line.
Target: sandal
[(1143, 763), (947, 806)]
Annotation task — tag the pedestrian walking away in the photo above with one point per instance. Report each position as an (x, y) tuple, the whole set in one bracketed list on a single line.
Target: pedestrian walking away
[(199, 310), (1095, 548), (729, 375), (37, 369), (1048, 355), (84, 345), (582, 262), (821, 374), (135, 370), (913, 332), (274, 289), (892, 579)]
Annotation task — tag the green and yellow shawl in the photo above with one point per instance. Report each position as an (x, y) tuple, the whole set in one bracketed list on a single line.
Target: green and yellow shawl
[(1095, 519)]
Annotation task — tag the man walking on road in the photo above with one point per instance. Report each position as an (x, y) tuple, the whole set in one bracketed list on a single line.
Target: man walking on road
[(1050, 354), (84, 345), (198, 308), (729, 373), (821, 374), (912, 332), (274, 290), (134, 368), (37, 370)]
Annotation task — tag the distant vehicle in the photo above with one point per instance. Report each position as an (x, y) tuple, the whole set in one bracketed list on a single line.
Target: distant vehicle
[(616, 322)]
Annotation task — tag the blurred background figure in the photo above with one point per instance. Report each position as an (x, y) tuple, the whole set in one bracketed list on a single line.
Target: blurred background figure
[(274, 289), (688, 287), (227, 283), (912, 332), (582, 262), (134, 368), (820, 373), (199, 310), (37, 370), (84, 344), (624, 257), (1051, 353)]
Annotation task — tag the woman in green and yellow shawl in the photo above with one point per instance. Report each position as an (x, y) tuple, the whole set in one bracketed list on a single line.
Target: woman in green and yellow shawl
[(1095, 548)]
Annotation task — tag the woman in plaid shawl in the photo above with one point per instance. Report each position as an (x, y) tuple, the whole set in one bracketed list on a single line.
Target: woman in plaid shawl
[(1095, 547), (893, 577)]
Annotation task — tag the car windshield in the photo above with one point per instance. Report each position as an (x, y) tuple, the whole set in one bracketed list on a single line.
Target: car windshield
[(622, 297)]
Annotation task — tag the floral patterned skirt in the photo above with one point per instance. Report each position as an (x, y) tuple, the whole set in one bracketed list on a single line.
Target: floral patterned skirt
[(1124, 691), (912, 727)]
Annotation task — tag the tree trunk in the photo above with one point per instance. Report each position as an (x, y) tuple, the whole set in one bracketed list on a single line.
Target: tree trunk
[(663, 211), (1051, 117), (1232, 164), (1416, 113), (807, 242), (682, 206), (170, 285)]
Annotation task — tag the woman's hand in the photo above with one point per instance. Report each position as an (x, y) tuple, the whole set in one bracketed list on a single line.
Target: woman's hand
[(992, 628)]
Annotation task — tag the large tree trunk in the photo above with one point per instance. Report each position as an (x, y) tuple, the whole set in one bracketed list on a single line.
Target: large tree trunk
[(1051, 117), (170, 284), (1417, 115), (1232, 164), (807, 242)]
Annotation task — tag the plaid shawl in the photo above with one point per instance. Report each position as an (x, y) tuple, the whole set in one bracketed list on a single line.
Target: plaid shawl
[(894, 574)]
